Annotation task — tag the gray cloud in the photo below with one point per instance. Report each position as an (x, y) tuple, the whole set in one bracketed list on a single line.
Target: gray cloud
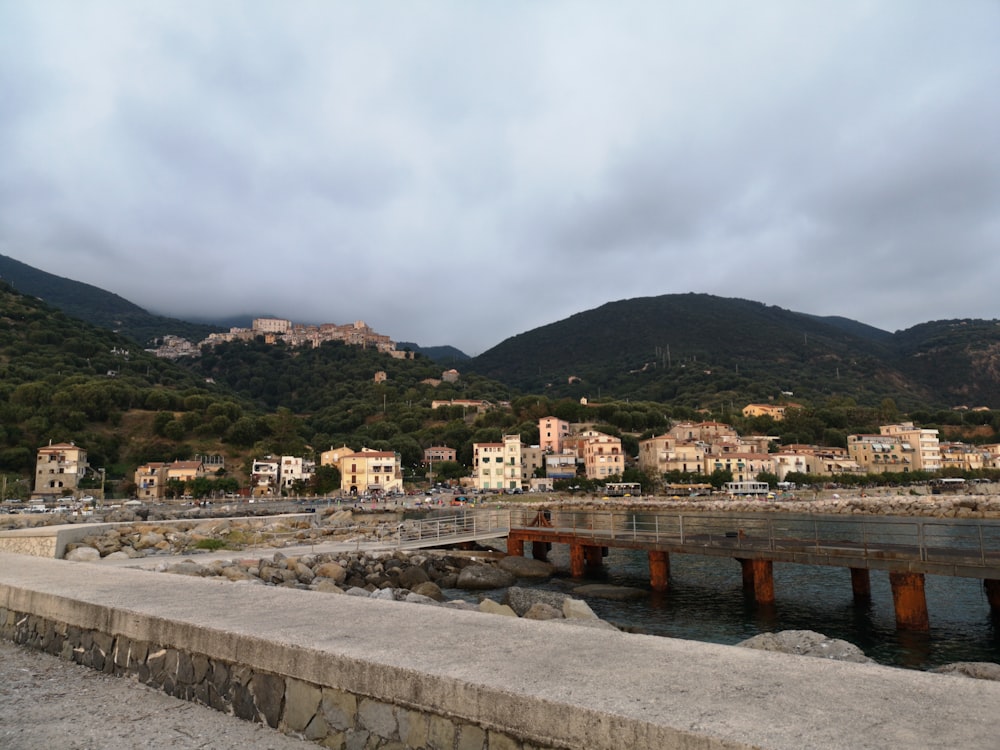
[(460, 173)]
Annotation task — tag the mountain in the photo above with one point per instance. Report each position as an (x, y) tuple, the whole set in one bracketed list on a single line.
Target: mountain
[(693, 350), (705, 351), (96, 306)]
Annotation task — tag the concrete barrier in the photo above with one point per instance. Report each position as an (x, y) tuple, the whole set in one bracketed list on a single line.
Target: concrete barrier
[(350, 672)]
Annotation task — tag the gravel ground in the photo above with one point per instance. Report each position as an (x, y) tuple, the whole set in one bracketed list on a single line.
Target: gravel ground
[(48, 703)]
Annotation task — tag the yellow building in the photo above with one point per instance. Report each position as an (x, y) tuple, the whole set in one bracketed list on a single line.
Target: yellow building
[(371, 472), (882, 454), (774, 411), (743, 466), (924, 442), (150, 480), (332, 457), (601, 454), (59, 468), (965, 457), (497, 466)]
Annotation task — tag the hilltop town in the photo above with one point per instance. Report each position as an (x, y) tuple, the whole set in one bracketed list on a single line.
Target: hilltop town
[(274, 330)]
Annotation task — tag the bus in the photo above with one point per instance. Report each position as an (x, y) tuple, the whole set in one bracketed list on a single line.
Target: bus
[(947, 484), (623, 489), (747, 489)]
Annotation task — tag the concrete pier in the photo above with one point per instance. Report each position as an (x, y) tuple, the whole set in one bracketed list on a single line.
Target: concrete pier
[(425, 676)]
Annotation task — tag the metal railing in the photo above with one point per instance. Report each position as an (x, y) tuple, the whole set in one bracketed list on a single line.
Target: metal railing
[(929, 541), (925, 540), (465, 525)]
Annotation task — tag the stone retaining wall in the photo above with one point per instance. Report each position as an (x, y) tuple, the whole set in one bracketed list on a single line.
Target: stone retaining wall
[(334, 718)]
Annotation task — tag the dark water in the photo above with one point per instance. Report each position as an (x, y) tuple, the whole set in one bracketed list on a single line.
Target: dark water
[(706, 602)]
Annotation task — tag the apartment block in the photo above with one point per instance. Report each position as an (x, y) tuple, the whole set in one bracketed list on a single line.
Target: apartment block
[(497, 466), (371, 472), (551, 433), (927, 451), (59, 468)]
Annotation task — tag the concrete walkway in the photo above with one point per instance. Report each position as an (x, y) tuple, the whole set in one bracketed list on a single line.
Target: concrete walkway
[(525, 671), (46, 702)]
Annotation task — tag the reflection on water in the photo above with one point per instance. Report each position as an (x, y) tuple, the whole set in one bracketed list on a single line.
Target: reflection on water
[(706, 602)]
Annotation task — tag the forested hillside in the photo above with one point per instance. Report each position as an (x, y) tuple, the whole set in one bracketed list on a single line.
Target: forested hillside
[(96, 306), (706, 352), (640, 364), (63, 379)]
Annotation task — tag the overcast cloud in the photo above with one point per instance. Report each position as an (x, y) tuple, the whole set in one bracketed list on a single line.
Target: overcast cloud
[(460, 172)]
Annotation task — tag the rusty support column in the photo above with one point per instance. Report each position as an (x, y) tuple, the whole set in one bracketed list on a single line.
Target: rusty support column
[(909, 600), (659, 570), (861, 584), (992, 587), (577, 560), (593, 558), (763, 581), (515, 545), (540, 551)]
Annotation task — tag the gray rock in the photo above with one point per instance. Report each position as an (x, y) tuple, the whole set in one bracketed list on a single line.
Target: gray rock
[(613, 593), (521, 599), (412, 576), (577, 609), (807, 643), (357, 591), (526, 567), (189, 568), (430, 590), (83, 554), (480, 577), (495, 608), (543, 611)]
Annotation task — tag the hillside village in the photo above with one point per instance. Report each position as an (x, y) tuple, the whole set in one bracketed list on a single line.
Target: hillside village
[(565, 452), (275, 330)]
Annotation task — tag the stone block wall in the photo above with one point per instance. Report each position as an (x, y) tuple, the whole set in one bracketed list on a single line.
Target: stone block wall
[(333, 718)]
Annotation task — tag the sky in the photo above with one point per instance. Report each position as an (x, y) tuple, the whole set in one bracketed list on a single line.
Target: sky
[(456, 173)]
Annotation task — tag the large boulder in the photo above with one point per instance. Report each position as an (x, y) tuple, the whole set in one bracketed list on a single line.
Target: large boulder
[(543, 611), (83, 554), (526, 567), (608, 591), (807, 643), (577, 609), (430, 590), (479, 577), (521, 599), (331, 570), (412, 576), (495, 608)]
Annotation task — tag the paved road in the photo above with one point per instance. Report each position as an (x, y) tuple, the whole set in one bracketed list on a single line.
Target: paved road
[(47, 703)]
